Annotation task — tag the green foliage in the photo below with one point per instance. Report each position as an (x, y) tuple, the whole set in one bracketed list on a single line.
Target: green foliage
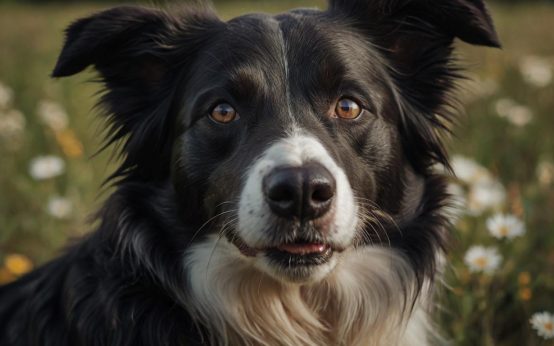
[(475, 309)]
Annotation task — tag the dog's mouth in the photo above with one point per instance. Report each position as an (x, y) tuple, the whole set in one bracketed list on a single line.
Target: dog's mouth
[(300, 252)]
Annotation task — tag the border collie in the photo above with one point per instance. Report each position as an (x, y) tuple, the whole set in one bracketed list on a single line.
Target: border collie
[(277, 183)]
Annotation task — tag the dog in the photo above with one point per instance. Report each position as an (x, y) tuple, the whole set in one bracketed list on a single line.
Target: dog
[(278, 181)]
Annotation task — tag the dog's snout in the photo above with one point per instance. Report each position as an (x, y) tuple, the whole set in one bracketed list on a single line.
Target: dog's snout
[(304, 192)]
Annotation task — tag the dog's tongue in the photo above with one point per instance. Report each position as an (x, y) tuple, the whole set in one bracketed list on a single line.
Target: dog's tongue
[(302, 249)]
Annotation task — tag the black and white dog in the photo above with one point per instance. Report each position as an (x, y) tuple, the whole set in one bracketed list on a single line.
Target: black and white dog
[(277, 183)]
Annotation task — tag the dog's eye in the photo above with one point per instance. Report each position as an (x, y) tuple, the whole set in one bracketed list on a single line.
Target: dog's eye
[(224, 113), (347, 109)]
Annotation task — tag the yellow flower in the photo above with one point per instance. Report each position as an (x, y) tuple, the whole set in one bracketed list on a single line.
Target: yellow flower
[(525, 294), (18, 264), (69, 143), (524, 278)]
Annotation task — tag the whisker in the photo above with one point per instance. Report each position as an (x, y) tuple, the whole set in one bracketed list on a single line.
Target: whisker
[(207, 222)]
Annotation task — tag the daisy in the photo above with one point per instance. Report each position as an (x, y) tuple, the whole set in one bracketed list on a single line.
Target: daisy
[(46, 167), (543, 323), (468, 170), (505, 226), (482, 259), (518, 115), (52, 115), (503, 106), (59, 207), (536, 71), (488, 194)]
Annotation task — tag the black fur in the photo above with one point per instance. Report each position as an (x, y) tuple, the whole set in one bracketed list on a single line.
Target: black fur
[(124, 284)]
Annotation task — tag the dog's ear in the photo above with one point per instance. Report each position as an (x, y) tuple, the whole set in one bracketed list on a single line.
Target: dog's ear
[(125, 35), (139, 53), (415, 38), (468, 20)]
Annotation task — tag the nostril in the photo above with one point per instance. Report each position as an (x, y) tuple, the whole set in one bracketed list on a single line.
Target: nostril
[(322, 192), (281, 193)]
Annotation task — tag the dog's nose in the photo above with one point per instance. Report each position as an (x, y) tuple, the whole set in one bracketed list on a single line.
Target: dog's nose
[(304, 192)]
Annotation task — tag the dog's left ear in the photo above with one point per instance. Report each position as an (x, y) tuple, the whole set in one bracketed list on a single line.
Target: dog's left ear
[(415, 37), (468, 20)]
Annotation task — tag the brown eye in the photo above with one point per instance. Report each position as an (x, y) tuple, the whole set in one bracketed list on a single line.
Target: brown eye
[(347, 109), (224, 113)]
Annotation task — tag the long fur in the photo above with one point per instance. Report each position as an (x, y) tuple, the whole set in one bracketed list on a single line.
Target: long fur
[(365, 301), (162, 266)]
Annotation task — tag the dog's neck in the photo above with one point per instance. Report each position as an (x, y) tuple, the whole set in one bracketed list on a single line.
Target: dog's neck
[(367, 300)]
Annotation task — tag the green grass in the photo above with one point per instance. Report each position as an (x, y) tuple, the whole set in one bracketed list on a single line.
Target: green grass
[(477, 309)]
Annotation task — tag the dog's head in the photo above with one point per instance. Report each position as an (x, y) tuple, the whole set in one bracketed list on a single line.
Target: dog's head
[(294, 137)]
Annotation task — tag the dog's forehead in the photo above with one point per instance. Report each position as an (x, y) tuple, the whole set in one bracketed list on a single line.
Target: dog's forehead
[(300, 50), (301, 39)]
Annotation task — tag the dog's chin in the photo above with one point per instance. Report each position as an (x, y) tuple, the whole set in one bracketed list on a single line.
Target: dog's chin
[(298, 269), (298, 262)]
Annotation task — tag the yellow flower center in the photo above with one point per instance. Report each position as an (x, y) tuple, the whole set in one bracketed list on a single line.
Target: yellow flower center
[(481, 262), (549, 326), (504, 231)]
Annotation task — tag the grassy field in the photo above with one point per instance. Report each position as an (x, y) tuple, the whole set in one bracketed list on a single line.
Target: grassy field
[(504, 157)]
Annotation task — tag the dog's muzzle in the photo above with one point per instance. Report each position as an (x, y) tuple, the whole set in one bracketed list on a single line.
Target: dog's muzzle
[(296, 210)]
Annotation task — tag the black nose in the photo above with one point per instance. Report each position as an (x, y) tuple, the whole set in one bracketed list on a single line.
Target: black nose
[(303, 192)]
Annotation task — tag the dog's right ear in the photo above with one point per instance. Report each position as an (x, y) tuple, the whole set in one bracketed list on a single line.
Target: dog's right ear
[(129, 35), (138, 52)]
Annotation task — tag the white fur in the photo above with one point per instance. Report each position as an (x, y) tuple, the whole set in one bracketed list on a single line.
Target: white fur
[(366, 300)]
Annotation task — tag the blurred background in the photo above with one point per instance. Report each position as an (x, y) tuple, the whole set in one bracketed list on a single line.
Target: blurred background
[(499, 284)]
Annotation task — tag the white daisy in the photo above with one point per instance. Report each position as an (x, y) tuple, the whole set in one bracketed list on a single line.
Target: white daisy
[(517, 114), (487, 194), (482, 259), (505, 226), (503, 106), (468, 170), (543, 323), (52, 115), (6, 96), (45, 167), (59, 207), (536, 71), (520, 115)]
